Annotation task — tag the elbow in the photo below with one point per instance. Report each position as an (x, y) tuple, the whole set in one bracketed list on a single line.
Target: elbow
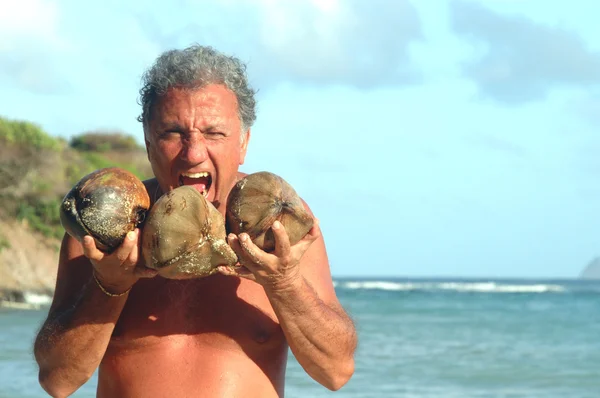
[(339, 376), (59, 377), (57, 386)]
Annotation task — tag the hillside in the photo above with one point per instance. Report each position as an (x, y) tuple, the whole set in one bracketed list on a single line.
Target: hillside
[(36, 171)]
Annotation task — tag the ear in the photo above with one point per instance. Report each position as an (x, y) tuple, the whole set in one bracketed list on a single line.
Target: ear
[(245, 137), (147, 147), (147, 142)]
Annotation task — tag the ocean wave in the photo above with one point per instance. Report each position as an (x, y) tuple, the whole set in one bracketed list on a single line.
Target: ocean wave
[(480, 287), (25, 300), (37, 299)]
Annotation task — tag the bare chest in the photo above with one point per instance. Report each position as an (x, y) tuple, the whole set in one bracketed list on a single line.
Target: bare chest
[(217, 310)]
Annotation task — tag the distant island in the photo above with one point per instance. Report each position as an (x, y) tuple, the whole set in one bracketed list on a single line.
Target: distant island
[(592, 271)]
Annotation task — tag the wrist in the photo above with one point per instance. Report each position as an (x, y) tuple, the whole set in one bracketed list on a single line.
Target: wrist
[(111, 290), (285, 285)]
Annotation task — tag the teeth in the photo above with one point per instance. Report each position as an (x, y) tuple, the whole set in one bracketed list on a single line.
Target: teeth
[(195, 175)]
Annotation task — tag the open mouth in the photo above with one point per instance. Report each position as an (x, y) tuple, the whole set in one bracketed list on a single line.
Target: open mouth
[(201, 181)]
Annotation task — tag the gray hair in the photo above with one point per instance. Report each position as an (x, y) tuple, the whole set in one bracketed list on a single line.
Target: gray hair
[(196, 67)]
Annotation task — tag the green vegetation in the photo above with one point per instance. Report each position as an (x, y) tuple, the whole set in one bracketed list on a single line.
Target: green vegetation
[(97, 161), (42, 216), (37, 170), (4, 243), (104, 142), (20, 133)]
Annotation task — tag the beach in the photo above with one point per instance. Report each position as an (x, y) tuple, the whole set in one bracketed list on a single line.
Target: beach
[(420, 338)]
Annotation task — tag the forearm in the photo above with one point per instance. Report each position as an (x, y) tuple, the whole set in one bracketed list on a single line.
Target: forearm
[(73, 340), (323, 339)]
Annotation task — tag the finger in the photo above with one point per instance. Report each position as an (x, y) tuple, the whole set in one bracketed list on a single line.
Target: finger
[(145, 272), (282, 240), (123, 251), (251, 252), (90, 250), (313, 234), (243, 257), (234, 243), (132, 259), (241, 272)]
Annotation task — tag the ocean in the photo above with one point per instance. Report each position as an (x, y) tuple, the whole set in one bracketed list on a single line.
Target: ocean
[(421, 338)]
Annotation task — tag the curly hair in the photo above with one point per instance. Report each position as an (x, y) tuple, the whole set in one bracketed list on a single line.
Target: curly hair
[(195, 67)]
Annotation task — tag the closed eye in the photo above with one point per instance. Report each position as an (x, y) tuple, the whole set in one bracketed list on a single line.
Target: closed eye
[(214, 134), (170, 134)]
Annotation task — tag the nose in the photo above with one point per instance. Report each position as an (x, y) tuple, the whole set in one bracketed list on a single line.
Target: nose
[(194, 149)]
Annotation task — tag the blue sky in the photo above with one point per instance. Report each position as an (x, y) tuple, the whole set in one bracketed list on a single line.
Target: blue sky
[(446, 138)]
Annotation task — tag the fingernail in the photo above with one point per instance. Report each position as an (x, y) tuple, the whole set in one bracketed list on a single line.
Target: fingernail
[(276, 224), (87, 239), (231, 237), (243, 237), (131, 235)]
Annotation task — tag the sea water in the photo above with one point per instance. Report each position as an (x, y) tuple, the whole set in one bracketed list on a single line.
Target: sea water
[(421, 338)]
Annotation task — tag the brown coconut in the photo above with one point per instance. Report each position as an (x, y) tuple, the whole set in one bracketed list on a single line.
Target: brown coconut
[(257, 200), (184, 236), (106, 204)]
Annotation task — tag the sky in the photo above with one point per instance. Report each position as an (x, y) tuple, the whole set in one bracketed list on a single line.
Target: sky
[(430, 138)]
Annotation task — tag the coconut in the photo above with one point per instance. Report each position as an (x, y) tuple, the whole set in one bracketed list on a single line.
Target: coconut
[(105, 204), (184, 236), (257, 201)]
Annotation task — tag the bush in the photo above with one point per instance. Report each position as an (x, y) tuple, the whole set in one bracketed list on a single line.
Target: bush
[(42, 216), (96, 161), (4, 243), (36, 170), (104, 142), (26, 134)]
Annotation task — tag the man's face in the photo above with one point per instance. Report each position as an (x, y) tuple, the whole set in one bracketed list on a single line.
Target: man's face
[(194, 138)]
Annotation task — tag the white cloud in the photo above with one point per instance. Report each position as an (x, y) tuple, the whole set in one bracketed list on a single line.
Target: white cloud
[(31, 45), (356, 43), (28, 20), (521, 60)]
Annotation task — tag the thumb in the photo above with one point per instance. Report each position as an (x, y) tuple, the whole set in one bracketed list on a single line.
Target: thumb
[(145, 272)]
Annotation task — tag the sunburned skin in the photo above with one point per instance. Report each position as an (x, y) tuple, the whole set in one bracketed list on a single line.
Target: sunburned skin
[(225, 335), (168, 329), (216, 336), (196, 139)]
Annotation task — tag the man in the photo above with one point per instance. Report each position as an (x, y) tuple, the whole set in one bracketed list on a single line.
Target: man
[(226, 335)]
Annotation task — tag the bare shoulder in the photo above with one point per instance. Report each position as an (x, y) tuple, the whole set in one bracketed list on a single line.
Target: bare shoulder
[(315, 267)]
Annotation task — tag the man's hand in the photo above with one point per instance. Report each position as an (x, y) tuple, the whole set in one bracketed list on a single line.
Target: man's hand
[(277, 270), (119, 270)]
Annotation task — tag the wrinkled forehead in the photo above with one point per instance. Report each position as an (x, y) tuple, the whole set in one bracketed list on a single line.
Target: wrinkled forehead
[(212, 105)]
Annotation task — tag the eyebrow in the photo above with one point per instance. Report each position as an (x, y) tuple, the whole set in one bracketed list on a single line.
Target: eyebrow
[(170, 126)]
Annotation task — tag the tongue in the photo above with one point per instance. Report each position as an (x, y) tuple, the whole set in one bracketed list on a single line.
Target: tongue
[(199, 183)]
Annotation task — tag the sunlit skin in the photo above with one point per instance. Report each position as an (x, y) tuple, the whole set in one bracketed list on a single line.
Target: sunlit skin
[(197, 131), (226, 335)]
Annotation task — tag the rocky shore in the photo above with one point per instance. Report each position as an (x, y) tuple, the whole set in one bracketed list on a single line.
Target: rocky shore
[(28, 262)]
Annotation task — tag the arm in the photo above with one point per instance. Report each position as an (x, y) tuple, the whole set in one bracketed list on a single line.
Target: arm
[(298, 283), (81, 319), (320, 334)]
